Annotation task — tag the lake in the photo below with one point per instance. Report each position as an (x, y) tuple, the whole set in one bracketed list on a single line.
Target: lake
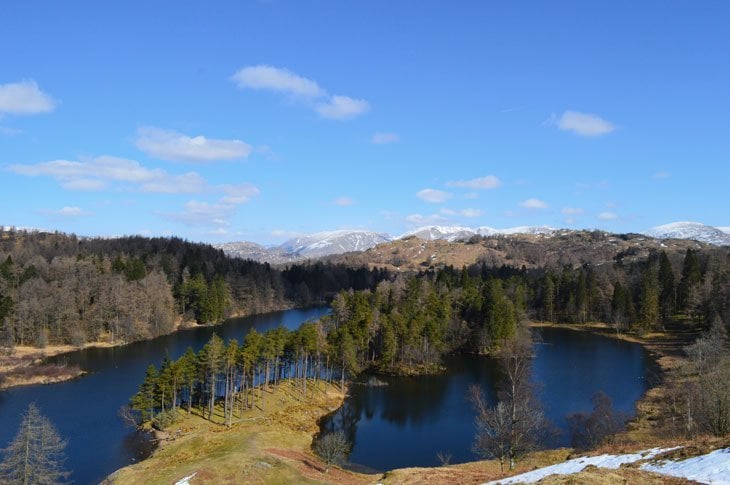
[(405, 423), (85, 410), (411, 419)]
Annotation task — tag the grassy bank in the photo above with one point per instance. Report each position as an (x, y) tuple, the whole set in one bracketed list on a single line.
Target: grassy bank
[(653, 410), (25, 366), (269, 446)]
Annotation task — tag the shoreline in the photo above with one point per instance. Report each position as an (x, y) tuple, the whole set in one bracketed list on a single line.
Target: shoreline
[(27, 365), (262, 446)]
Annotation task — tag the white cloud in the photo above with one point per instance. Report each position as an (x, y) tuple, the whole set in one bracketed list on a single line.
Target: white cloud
[(572, 211), (661, 175), (433, 196), (7, 131), (238, 194), (264, 77), (471, 212), (24, 98), (384, 138), (177, 147), (480, 183), (101, 172), (582, 124), (421, 220), (187, 183), (608, 216), (84, 184), (68, 211), (197, 213), (533, 204), (277, 79), (468, 212), (343, 201), (342, 108)]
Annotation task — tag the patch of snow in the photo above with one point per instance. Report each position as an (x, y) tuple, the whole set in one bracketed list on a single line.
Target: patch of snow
[(577, 465), (713, 467), (186, 480)]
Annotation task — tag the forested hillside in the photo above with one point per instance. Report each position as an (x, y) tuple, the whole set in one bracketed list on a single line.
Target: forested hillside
[(412, 321), (57, 288)]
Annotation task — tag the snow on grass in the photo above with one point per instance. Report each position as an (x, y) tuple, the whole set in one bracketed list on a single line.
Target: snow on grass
[(186, 480), (712, 468), (577, 465)]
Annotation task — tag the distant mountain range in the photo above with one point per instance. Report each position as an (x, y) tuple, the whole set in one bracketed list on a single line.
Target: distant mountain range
[(718, 236), (322, 244), (329, 243)]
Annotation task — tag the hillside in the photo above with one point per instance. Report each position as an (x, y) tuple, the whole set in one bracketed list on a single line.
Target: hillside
[(559, 248)]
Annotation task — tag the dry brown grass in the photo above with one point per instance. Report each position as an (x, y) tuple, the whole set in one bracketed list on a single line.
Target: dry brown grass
[(24, 366), (270, 446)]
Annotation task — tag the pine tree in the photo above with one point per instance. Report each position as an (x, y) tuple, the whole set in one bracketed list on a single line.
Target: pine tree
[(667, 295), (35, 456), (212, 361), (144, 400), (548, 298), (649, 299), (690, 282)]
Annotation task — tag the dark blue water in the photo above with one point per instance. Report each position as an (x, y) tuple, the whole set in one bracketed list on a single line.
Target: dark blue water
[(85, 410), (409, 421)]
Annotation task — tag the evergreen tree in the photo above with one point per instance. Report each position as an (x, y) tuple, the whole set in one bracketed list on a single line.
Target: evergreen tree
[(144, 400), (690, 282), (667, 295), (211, 359), (649, 300), (548, 298), (36, 454)]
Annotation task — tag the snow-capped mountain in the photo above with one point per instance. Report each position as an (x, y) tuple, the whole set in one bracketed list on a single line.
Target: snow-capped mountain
[(449, 233), (459, 233), (726, 230), (306, 247), (691, 230), (333, 242)]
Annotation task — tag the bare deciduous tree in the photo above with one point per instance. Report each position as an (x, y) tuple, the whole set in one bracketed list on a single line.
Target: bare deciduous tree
[(331, 447), (516, 424)]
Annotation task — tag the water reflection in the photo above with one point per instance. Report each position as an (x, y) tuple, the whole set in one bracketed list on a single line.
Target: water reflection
[(411, 419), (85, 410)]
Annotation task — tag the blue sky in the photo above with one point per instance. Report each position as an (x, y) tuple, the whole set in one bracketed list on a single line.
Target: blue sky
[(219, 121)]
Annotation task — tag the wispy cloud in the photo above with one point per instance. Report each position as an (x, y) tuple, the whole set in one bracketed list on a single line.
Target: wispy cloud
[(380, 138), (607, 216), (661, 175), (342, 108), (572, 211), (468, 212), (238, 194), (107, 171), (533, 204), (480, 183), (433, 196), (68, 211), (284, 81), (343, 201), (198, 213), (583, 124), (421, 220), (24, 98), (177, 147), (270, 78)]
